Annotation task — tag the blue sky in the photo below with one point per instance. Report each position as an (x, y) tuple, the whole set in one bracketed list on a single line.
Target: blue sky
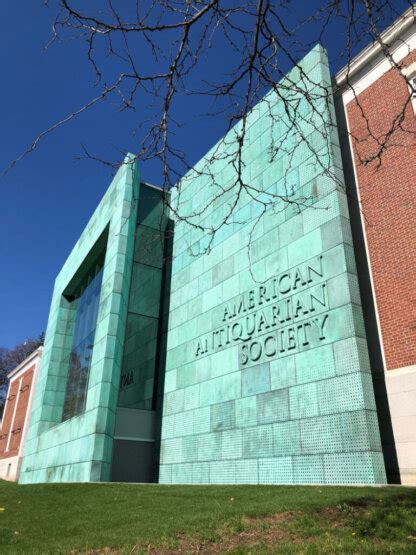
[(47, 199)]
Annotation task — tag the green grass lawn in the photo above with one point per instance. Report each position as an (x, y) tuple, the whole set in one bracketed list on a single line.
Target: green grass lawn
[(127, 518)]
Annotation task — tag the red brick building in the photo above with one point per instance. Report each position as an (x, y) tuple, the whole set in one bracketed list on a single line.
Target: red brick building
[(377, 114), (16, 415)]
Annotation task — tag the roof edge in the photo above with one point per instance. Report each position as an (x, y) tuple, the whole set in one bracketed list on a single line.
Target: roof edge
[(388, 37), (34, 354)]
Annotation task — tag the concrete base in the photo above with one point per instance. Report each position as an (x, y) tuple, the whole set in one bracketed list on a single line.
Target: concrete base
[(401, 389), (9, 468)]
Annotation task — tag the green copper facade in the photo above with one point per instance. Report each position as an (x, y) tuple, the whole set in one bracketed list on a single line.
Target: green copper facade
[(240, 357), (80, 448), (267, 372)]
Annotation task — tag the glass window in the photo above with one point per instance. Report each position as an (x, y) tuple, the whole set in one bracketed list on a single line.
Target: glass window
[(85, 302), (138, 371), (151, 208), (413, 91)]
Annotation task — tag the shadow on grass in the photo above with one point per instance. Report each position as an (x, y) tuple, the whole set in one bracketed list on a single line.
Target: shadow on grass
[(60, 518)]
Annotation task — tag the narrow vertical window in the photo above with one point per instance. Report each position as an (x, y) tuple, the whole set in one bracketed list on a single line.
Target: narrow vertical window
[(138, 372), (412, 82), (85, 303)]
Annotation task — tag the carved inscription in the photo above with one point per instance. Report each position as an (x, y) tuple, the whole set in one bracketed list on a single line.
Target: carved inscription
[(126, 379), (285, 314)]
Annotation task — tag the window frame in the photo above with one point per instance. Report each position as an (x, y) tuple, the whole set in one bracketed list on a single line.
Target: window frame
[(410, 74)]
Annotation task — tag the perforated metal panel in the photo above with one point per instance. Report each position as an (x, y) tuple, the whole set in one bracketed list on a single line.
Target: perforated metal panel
[(290, 401)]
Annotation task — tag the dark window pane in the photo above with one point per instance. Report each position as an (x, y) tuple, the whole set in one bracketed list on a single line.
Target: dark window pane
[(138, 368), (151, 210), (145, 290), (79, 360), (148, 247)]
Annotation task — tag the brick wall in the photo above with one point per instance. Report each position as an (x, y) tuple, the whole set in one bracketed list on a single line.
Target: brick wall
[(388, 202), (8, 418), (15, 415)]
